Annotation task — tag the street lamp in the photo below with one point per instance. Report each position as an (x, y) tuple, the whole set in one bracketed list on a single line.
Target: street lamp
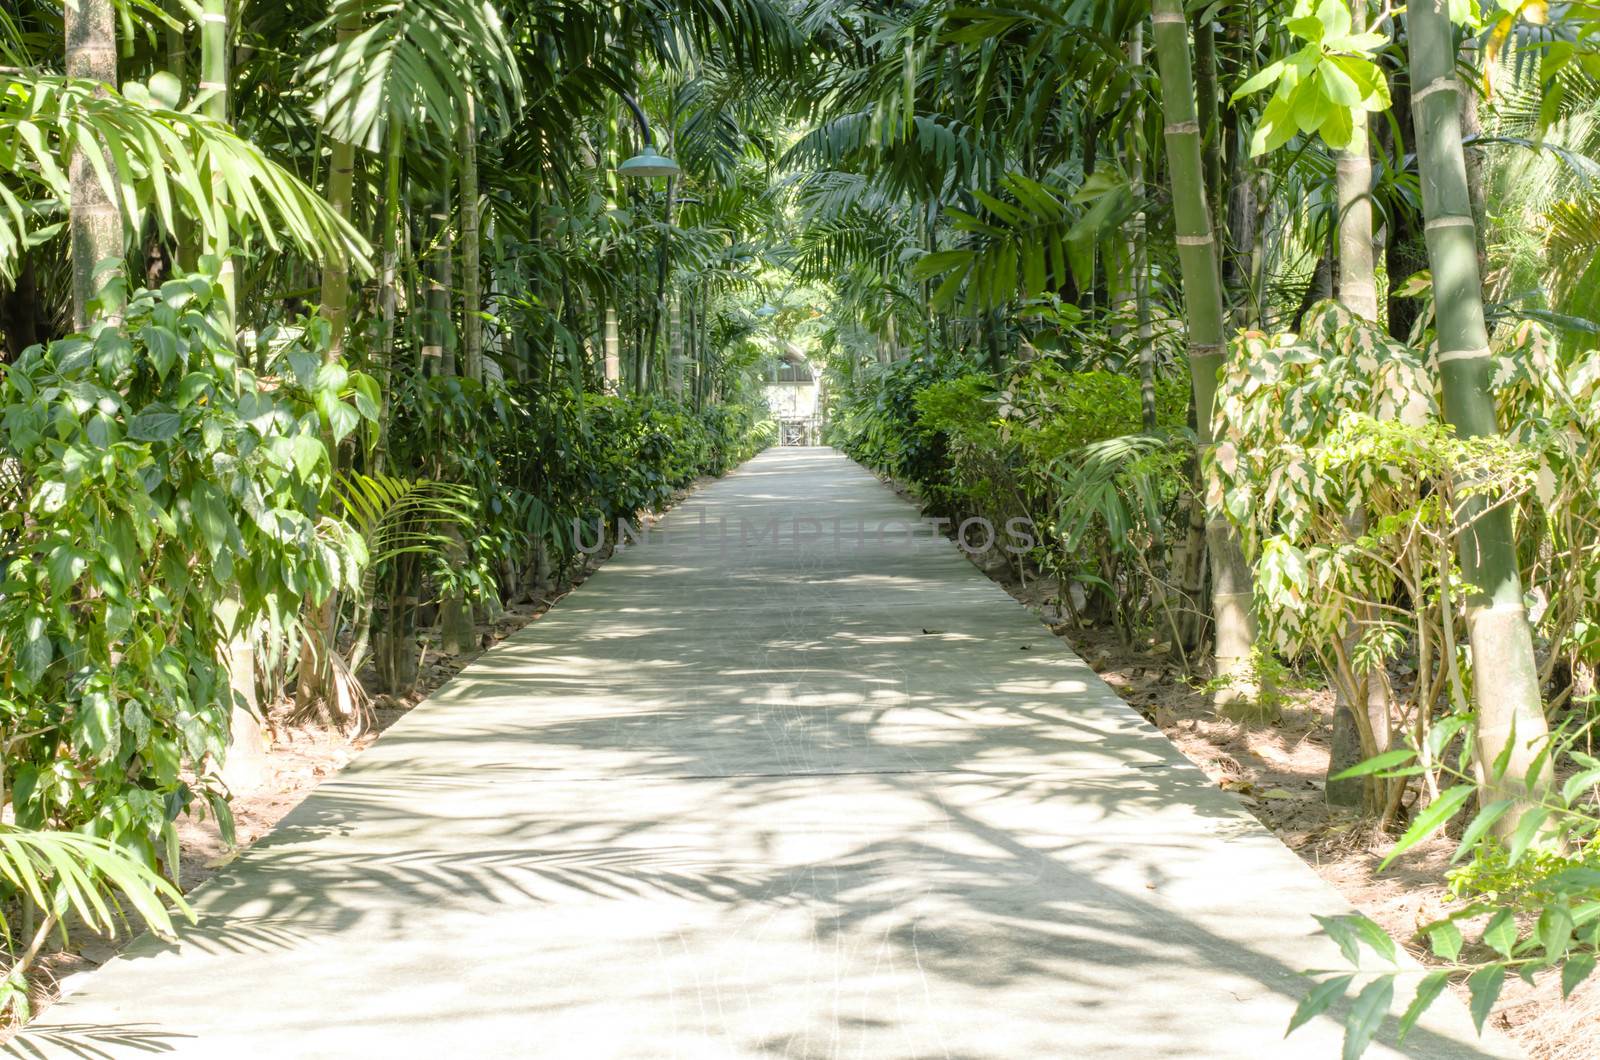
[(648, 162)]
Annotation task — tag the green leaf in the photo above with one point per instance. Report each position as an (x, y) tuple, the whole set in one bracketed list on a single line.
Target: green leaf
[(1427, 991), (1366, 1016), (309, 453), (1375, 937), (1527, 830), (98, 727), (1337, 86), (1317, 1001), (1501, 934), (1430, 820), (1350, 930), (212, 516), (1484, 985), (1306, 27), (193, 386), (1554, 931), (37, 650), (1445, 939), (1577, 968), (1480, 825), (156, 424), (1377, 764), (1578, 783), (1268, 75), (1338, 131), (65, 565)]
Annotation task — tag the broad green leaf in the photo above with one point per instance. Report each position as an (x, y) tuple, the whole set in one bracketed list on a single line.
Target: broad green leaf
[(1579, 783), (98, 725), (212, 517), (1501, 933), (1480, 826), (1265, 77), (1527, 830), (1484, 986), (1428, 990), (1430, 820), (66, 564), (1378, 763), (1554, 931), (1317, 1001), (1577, 968), (1366, 1016), (36, 647), (1445, 939), (155, 424)]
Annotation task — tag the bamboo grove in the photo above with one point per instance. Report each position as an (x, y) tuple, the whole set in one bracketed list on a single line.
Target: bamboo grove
[(329, 327)]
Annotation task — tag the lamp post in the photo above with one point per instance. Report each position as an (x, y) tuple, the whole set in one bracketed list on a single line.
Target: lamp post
[(647, 164)]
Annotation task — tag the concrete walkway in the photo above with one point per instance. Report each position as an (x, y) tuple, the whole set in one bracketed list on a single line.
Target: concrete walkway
[(834, 797)]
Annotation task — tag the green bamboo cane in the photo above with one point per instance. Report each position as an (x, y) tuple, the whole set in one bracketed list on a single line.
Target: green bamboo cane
[(1505, 678), (1238, 693)]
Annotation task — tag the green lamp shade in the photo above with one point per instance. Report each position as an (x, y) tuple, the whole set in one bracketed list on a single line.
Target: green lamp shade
[(649, 163)]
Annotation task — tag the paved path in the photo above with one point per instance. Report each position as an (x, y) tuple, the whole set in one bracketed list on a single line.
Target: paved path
[(833, 797)]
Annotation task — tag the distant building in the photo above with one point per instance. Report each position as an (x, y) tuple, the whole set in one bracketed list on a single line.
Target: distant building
[(792, 395)]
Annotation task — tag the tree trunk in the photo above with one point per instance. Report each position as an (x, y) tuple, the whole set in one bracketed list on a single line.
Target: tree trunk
[(675, 347), (214, 80), (455, 616), (313, 687), (389, 280), (1358, 288), (1358, 291), (1404, 250), (613, 352), (438, 340), (471, 248), (95, 220), (245, 764), (335, 276), (1505, 677), (1137, 234), (1238, 693)]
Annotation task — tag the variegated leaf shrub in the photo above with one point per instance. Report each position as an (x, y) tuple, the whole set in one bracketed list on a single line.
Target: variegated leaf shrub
[(1333, 460)]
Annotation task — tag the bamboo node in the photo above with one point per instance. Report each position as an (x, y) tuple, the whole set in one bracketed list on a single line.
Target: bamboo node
[(1195, 241), (1447, 83), (1452, 221), (1182, 128), (1446, 356)]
